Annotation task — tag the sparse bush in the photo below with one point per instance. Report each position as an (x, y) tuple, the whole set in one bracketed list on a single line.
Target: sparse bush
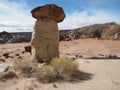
[(58, 69), (8, 75), (27, 68), (64, 67), (45, 74)]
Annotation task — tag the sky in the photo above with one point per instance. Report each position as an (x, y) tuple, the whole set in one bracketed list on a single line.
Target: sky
[(79, 13)]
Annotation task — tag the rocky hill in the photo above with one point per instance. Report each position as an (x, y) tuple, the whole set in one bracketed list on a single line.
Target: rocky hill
[(101, 31), (6, 37)]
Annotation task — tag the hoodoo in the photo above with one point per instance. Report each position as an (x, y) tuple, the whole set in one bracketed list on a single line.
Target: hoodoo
[(45, 36)]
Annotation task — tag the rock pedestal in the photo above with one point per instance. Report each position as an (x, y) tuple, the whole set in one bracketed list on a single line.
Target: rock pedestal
[(45, 37)]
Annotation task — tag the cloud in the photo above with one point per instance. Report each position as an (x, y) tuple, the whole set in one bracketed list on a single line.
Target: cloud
[(15, 11), (78, 19), (15, 16)]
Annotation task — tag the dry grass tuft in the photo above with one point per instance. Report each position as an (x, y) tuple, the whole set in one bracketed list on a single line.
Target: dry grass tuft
[(8, 75), (58, 69), (64, 67), (45, 74), (27, 68)]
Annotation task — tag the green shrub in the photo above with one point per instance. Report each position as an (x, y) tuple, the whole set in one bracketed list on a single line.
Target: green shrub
[(27, 68), (58, 69)]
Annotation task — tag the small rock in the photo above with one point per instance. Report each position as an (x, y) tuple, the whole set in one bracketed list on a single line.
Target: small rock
[(55, 86), (101, 54), (17, 54), (23, 52), (78, 56), (11, 57), (1, 59), (73, 58), (112, 56), (18, 49), (6, 55), (5, 67), (20, 57), (27, 48)]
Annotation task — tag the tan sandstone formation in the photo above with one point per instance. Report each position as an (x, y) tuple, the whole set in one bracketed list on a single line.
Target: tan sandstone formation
[(45, 37)]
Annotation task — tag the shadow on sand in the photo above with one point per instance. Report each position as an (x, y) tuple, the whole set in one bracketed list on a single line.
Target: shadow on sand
[(110, 58), (81, 76)]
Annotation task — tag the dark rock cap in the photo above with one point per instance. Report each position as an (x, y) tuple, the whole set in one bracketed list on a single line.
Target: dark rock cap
[(50, 11)]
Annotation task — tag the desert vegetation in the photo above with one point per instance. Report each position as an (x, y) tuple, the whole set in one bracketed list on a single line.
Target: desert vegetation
[(25, 67), (8, 75), (58, 69)]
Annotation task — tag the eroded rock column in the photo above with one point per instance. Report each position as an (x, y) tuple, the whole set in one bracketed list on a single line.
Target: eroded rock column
[(45, 37)]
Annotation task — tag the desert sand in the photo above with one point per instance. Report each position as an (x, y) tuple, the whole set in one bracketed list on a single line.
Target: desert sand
[(97, 74)]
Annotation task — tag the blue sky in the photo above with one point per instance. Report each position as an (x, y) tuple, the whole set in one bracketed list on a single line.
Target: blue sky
[(78, 12), (81, 5)]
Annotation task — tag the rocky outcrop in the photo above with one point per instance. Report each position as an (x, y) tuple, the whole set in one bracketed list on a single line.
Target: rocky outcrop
[(45, 37), (6, 37), (100, 31), (19, 39), (67, 35)]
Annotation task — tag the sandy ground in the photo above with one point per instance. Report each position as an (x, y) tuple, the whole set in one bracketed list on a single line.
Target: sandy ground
[(90, 47), (98, 74)]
